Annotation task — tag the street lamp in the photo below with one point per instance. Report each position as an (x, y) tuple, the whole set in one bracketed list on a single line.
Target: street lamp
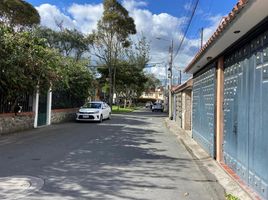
[(169, 76)]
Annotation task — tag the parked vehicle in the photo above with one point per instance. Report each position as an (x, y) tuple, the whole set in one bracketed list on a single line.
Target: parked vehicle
[(94, 111), (149, 105), (157, 107)]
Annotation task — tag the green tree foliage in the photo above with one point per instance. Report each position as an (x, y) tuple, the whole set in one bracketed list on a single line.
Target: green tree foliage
[(68, 42), (76, 83), (25, 62), (151, 83), (18, 13), (112, 37), (131, 79), (138, 53)]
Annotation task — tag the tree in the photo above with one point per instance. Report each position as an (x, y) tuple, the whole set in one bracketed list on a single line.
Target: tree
[(25, 62), (138, 53), (111, 38), (130, 79), (75, 85), (18, 13), (152, 82), (69, 42)]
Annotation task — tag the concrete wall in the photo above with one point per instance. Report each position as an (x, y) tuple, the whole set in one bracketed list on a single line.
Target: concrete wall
[(186, 110), (9, 123), (178, 109)]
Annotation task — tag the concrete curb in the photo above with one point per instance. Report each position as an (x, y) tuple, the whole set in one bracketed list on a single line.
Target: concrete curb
[(227, 182)]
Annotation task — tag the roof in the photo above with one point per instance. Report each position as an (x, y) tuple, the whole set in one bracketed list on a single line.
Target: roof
[(244, 16), (186, 85)]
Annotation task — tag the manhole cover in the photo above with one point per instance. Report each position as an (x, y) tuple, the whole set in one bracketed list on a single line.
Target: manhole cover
[(15, 187)]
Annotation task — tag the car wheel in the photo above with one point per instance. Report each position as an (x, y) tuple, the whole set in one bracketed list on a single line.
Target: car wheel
[(101, 118), (110, 116)]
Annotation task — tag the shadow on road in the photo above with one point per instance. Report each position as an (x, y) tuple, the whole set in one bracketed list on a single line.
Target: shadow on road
[(122, 158), (114, 160)]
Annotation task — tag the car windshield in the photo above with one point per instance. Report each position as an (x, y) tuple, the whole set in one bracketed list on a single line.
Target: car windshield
[(92, 105)]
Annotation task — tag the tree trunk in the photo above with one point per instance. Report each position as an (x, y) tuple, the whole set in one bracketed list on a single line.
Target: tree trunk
[(110, 86), (130, 103), (125, 103)]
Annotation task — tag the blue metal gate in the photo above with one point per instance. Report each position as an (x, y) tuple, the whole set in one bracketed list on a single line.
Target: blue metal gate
[(204, 110), (246, 114)]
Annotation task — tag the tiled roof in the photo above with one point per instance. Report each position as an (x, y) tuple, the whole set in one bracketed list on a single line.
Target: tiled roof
[(224, 24)]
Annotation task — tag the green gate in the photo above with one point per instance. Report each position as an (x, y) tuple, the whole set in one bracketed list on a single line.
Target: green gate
[(42, 110)]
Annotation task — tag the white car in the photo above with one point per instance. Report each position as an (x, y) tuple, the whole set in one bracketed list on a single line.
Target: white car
[(94, 111), (157, 107)]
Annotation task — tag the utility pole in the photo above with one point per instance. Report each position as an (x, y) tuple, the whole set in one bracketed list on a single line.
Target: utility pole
[(169, 71), (170, 109), (179, 77)]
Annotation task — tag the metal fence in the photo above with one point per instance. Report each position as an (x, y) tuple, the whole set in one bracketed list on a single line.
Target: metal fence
[(25, 103), (63, 99)]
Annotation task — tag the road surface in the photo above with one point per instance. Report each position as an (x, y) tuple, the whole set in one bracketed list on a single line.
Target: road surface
[(132, 157)]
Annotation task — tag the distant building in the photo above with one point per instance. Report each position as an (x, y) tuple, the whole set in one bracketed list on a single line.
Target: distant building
[(155, 94)]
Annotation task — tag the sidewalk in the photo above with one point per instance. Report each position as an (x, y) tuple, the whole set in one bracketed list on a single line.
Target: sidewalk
[(228, 183)]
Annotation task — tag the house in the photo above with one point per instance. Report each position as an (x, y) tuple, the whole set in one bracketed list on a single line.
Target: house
[(153, 94), (230, 91), (182, 102)]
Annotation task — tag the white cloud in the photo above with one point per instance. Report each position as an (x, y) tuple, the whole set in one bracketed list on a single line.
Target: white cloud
[(132, 4), (50, 14), (84, 17), (214, 23)]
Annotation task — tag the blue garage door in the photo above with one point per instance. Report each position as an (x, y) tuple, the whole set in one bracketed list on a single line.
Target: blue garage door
[(246, 114), (204, 110)]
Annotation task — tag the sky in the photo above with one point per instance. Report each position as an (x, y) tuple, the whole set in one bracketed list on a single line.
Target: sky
[(163, 19)]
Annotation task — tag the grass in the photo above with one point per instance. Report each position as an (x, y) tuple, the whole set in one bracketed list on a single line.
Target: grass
[(231, 197), (116, 109)]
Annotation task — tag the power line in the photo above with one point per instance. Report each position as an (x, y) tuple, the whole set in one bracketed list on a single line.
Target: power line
[(187, 28)]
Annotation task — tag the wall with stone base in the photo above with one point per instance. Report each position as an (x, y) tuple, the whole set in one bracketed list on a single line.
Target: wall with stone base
[(9, 123), (63, 115)]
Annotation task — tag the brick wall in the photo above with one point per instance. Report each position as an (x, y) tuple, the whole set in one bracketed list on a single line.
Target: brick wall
[(10, 123)]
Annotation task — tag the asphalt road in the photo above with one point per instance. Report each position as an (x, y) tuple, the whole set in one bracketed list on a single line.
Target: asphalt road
[(132, 157)]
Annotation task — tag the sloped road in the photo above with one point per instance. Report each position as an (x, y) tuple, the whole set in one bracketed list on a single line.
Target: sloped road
[(132, 157)]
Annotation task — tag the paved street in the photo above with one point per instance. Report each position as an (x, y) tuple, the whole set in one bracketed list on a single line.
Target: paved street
[(132, 156)]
